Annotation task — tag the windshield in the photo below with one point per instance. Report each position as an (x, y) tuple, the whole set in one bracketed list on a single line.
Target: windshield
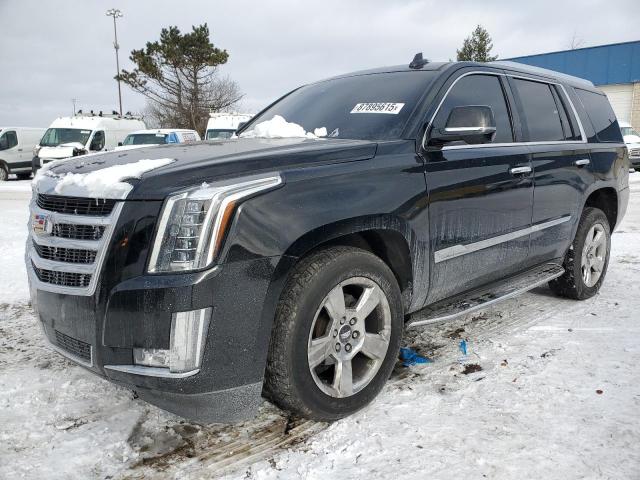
[(145, 139), (57, 136), (220, 133), (629, 131), (365, 107)]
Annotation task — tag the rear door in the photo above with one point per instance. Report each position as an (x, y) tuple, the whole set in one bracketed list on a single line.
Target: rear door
[(560, 159), (480, 196)]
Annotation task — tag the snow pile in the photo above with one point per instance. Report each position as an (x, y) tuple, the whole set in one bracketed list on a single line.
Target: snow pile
[(278, 127), (107, 182)]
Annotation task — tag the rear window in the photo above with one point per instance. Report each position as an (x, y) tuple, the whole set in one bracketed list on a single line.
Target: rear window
[(363, 107), (539, 111), (601, 115)]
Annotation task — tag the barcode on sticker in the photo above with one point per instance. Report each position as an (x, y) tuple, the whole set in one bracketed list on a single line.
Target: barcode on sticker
[(392, 108)]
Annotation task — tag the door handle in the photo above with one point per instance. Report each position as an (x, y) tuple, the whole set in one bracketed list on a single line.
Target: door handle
[(582, 162), (19, 149), (519, 170)]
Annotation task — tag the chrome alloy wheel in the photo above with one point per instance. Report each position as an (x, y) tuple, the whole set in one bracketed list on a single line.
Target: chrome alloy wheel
[(594, 254), (349, 337)]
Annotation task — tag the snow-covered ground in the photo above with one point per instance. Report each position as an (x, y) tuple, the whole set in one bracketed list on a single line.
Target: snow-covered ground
[(556, 396)]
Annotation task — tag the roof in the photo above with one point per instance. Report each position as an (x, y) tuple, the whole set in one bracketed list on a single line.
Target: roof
[(88, 122), (603, 64)]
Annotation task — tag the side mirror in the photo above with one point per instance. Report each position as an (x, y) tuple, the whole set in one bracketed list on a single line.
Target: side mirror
[(471, 124), (119, 144)]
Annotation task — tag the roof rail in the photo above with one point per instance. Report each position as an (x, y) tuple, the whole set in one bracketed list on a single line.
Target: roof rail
[(526, 68)]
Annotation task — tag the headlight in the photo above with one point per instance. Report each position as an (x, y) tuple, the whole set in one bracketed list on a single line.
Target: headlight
[(193, 223), (36, 150)]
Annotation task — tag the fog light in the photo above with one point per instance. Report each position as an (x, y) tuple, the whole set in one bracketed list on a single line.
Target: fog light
[(186, 344), (151, 357)]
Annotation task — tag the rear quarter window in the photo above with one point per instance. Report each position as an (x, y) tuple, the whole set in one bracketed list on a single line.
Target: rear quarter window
[(601, 115)]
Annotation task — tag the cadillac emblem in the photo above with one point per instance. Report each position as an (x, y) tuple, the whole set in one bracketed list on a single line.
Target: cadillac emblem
[(41, 224)]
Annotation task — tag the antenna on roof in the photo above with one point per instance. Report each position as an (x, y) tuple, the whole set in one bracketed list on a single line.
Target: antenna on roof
[(418, 62)]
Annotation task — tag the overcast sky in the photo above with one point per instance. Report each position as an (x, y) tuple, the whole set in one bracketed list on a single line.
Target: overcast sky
[(53, 51)]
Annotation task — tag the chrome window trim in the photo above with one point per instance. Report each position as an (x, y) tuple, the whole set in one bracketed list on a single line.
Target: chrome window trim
[(150, 371), (459, 250), (101, 246), (583, 137)]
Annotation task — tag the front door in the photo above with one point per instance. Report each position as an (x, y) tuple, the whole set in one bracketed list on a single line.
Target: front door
[(480, 196)]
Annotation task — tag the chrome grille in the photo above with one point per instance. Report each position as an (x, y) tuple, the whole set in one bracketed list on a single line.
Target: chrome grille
[(65, 279), (67, 255), (67, 244), (76, 205), (634, 152), (78, 232)]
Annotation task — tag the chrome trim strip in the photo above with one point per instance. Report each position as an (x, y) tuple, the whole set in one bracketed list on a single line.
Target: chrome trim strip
[(61, 242), (581, 162), (490, 303), (519, 170), (150, 371), (459, 250)]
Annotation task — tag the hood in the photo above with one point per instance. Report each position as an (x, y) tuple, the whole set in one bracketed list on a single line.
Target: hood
[(64, 150), (192, 164)]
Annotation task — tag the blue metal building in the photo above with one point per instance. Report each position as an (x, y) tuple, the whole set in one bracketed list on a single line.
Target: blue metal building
[(614, 68)]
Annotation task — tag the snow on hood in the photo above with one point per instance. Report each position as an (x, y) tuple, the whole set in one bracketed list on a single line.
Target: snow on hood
[(64, 150), (104, 183), (278, 127)]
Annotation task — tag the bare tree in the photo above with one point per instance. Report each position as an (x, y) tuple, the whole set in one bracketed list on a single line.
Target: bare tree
[(576, 42)]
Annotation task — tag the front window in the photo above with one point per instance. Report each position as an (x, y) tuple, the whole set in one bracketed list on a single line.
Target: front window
[(363, 107), (59, 136), (220, 133), (629, 131), (145, 139)]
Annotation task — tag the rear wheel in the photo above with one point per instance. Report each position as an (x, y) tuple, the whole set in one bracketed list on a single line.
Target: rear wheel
[(337, 334), (587, 260), (4, 174)]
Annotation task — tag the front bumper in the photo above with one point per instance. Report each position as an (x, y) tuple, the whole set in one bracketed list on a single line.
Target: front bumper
[(634, 161), (137, 312)]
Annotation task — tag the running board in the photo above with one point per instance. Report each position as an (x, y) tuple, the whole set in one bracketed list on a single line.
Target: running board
[(484, 297)]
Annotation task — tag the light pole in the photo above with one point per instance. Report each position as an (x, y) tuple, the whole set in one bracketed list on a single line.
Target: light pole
[(115, 13)]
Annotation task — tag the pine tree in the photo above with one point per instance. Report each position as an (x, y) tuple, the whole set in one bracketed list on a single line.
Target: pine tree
[(477, 47), (178, 75)]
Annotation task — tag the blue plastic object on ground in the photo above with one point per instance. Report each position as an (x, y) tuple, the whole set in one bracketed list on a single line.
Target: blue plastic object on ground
[(463, 346), (410, 357)]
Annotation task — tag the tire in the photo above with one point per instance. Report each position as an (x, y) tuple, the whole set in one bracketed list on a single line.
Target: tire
[(4, 174), (23, 175), (582, 257), (309, 300)]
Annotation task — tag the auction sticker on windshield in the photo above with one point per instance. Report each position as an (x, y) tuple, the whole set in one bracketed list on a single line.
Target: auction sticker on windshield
[(392, 108)]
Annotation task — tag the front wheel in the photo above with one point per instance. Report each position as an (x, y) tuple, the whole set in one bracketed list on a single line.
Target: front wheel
[(337, 333), (587, 260), (4, 173)]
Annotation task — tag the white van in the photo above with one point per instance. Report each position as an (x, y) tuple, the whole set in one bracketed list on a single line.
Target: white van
[(223, 125), (160, 136), (16, 147), (82, 133), (632, 141)]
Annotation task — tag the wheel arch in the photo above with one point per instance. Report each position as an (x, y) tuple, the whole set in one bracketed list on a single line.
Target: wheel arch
[(606, 199)]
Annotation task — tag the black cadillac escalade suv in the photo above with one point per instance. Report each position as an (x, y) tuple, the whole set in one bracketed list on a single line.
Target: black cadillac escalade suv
[(204, 276)]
